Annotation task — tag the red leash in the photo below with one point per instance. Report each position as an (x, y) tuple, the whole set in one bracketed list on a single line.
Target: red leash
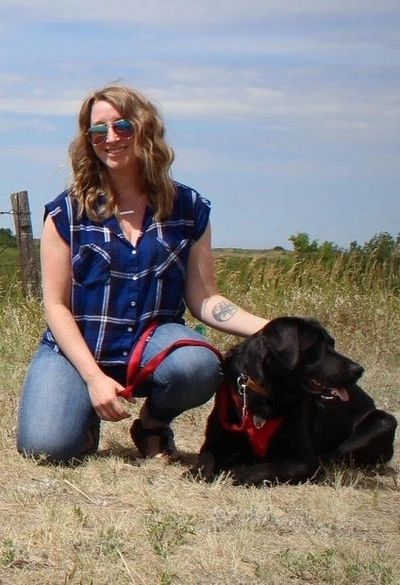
[(137, 375)]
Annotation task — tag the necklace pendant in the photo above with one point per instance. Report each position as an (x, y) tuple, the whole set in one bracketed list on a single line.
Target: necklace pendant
[(127, 212)]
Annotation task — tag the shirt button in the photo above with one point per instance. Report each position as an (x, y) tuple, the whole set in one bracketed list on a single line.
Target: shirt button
[(130, 329), (133, 303), (125, 353), (133, 251), (135, 277)]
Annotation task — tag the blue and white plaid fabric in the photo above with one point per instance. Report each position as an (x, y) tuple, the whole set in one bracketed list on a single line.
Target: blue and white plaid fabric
[(118, 288)]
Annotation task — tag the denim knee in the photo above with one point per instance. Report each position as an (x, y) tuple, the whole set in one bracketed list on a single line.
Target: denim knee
[(188, 377), (55, 419)]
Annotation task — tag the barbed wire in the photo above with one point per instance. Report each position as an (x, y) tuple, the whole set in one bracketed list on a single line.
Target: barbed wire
[(15, 212)]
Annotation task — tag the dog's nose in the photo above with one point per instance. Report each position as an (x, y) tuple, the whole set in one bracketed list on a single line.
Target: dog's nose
[(356, 370)]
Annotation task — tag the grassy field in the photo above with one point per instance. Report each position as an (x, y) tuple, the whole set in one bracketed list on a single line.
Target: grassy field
[(120, 519)]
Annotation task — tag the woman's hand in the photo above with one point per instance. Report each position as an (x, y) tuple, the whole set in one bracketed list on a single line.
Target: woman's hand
[(103, 392)]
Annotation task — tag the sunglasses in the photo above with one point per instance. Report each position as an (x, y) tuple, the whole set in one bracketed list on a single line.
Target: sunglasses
[(98, 133)]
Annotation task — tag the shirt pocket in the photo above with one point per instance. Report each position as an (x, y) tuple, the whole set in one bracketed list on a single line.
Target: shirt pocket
[(172, 258), (91, 265)]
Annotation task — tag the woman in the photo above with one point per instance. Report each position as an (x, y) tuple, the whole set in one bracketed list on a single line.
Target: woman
[(125, 245)]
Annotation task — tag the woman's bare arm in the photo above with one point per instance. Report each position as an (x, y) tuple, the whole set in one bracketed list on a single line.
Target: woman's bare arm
[(203, 299), (57, 282)]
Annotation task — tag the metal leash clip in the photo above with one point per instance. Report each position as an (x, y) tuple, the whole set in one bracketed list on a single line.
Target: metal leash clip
[(241, 384)]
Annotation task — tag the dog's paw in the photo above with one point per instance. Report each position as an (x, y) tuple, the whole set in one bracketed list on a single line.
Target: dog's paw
[(198, 474), (239, 475), (203, 469), (250, 475)]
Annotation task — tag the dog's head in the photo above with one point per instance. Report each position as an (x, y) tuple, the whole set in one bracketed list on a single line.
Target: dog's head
[(290, 358)]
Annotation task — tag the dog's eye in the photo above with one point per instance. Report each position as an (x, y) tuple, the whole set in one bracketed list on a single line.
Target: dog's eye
[(311, 355)]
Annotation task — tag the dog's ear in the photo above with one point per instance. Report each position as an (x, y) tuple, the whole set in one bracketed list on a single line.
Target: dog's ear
[(288, 338), (281, 336), (248, 357)]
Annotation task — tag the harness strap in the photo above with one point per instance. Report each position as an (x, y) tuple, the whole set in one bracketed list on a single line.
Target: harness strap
[(227, 399), (137, 375)]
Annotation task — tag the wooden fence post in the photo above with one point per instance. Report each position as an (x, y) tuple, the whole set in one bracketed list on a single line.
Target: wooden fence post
[(27, 253)]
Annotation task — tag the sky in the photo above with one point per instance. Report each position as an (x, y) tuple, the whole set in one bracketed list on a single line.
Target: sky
[(285, 114)]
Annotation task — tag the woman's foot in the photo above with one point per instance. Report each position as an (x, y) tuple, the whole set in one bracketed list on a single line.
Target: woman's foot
[(154, 439)]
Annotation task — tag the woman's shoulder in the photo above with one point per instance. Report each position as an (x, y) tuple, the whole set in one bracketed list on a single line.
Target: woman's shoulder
[(60, 202), (188, 196), (63, 210), (193, 208)]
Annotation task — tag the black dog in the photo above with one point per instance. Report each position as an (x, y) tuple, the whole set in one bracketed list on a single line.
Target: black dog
[(290, 402)]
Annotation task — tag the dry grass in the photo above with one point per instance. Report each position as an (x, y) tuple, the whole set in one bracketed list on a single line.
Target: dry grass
[(119, 519)]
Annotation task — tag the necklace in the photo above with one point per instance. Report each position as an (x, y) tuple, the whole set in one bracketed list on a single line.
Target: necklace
[(127, 212)]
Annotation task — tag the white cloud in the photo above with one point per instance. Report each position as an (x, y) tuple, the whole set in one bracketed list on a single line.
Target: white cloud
[(181, 12), (16, 125), (218, 93), (324, 109), (55, 106), (201, 160), (54, 157)]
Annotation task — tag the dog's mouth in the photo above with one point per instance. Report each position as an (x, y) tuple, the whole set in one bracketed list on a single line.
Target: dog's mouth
[(327, 392)]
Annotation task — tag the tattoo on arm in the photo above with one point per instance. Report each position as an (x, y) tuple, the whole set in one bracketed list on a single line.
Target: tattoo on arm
[(224, 310)]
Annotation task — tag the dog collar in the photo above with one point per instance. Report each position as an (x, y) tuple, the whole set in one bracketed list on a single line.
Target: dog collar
[(244, 382)]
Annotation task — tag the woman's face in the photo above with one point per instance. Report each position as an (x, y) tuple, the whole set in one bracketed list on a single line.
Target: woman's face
[(115, 152)]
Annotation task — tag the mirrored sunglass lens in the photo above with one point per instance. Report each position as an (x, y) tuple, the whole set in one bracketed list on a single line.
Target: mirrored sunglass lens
[(123, 128), (99, 129), (97, 133)]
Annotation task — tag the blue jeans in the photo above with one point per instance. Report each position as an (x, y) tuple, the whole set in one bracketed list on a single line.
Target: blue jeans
[(56, 418)]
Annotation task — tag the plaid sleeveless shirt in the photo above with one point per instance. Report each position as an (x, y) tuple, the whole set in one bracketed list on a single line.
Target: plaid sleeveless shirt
[(118, 288)]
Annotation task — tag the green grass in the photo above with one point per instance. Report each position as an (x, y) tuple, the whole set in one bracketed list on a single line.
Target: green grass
[(9, 271)]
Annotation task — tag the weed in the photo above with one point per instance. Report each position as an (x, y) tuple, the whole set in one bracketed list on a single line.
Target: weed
[(81, 516), (8, 552), (109, 541), (168, 531), (312, 567), (167, 578), (334, 567)]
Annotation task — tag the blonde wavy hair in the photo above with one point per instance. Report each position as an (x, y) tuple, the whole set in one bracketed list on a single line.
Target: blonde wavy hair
[(89, 174)]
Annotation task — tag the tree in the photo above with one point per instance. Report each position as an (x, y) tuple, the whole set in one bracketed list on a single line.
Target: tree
[(382, 246), (354, 247), (7, 238), (302, 244)]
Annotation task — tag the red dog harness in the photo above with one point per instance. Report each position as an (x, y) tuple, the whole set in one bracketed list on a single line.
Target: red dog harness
[(227, 399), (226, 396)]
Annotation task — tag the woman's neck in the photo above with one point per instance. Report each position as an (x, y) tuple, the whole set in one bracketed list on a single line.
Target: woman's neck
[(127, 190)]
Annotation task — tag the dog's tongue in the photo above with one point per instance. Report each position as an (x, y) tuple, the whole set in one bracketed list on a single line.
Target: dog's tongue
[(340, 393), (258, 422)]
